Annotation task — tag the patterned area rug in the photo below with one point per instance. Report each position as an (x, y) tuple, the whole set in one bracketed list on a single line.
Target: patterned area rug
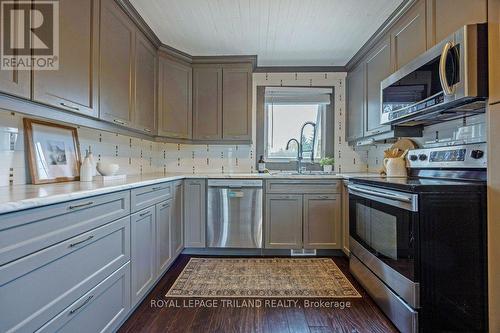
[(262, 278)]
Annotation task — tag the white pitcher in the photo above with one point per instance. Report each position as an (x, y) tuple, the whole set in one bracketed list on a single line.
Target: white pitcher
[(395, 167)]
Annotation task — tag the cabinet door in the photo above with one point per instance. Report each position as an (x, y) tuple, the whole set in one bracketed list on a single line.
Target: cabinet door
[(117, 34), (236, 102), (194, 213), (143, 250), (175, 112), (345, 219), (15, 82), (73, 86), (145, 85), (355, 103), (177, 232), (378, 67), (207, 102), (322, 221), (447, 16), (163, 221), (283, 221), (409, 36), (494, 50)]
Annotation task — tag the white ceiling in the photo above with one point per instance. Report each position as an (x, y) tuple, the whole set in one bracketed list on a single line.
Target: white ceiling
[(279, 32)]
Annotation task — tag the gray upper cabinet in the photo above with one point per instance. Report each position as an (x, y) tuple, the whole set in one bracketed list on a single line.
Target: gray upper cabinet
[(236, 102), (207, 102), (409, 36), (322, 221), (145, 85), (356, 103), (222, 102), (73, 86), (283, 225), (450, 15), (194, 213), (15, 82), (378, 67), (175, 111), (117, 39), (494, 50)]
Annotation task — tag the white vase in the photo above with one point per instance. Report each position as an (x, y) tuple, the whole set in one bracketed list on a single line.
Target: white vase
[(327, 168), (86, 172)]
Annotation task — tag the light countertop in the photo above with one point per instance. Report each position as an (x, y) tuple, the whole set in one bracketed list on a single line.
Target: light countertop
[(19, 197)]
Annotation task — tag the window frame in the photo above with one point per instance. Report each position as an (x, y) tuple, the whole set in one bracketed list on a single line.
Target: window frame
[(291, 159), (328, 132)]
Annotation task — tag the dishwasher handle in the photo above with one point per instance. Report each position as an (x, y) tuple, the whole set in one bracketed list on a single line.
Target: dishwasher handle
[(235, 183)]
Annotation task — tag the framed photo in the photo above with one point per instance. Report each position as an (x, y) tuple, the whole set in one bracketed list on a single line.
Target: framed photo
[(53, 151)]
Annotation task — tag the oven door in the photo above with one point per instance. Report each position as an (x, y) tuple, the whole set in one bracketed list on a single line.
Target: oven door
[(383, 234)]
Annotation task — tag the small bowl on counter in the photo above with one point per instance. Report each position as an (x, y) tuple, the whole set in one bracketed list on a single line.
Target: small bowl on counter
[(107, 169)]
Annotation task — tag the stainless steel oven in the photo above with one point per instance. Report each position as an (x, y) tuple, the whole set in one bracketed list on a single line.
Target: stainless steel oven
[(448, 81), (383, 236)]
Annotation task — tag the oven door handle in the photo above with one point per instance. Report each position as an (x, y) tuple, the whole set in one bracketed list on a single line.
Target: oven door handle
[(408, 200)]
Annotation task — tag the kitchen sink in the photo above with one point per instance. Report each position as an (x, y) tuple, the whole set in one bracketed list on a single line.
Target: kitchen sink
[(305, 173)]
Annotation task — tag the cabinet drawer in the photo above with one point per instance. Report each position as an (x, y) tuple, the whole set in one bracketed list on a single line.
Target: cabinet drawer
[(303, 186), (37, 287), (147, 196), (28, 231), (99, 310)]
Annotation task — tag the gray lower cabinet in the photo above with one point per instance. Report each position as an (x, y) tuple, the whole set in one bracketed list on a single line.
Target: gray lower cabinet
[(101, 309), (36, 288), (345, 219), (283, 225), (163, 225), (322, 221), (143, 252), (304, 218), (177, 230), (194, 213)]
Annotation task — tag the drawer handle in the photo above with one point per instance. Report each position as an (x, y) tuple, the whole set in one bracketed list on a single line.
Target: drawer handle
[(82, 241), (81, 305), (147, 130), (324, 197), (144, 214), (81, 205), (118, 121), (165, 205), (69, 106), (156, 188)]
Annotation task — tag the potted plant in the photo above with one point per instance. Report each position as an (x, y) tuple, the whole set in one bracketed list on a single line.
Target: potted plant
[(327, 163)]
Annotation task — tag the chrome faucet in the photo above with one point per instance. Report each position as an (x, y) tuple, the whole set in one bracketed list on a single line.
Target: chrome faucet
[(300, 145), (299, 154)]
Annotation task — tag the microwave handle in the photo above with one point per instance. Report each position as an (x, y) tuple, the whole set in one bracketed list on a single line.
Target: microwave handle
[(442, 70)]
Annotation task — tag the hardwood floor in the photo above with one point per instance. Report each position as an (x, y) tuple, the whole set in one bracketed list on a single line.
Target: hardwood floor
[(362, 316)]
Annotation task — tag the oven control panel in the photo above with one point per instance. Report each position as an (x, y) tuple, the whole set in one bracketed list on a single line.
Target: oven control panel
[(464, 156)]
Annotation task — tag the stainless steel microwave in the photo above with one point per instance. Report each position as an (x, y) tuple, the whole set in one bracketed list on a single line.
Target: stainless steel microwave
[(448, 81)]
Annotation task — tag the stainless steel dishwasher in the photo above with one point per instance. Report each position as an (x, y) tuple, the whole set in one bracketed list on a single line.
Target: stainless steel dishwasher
[(234, 213)]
